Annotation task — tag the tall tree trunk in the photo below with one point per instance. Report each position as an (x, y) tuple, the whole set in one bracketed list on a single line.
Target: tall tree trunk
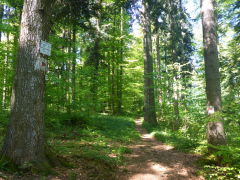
[(145, 49), (5, 68), (174, 60), (109, 83), (74, 65), (159, 72), (119, 85), (25, 139), (61, 95), (5, 73), (216, 135), (183, 59), (166, 69), (68, 73), (113, 68), (96, 58), (150, 113)]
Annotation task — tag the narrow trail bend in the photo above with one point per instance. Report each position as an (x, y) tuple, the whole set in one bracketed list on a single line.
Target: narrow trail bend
[(153, 160)]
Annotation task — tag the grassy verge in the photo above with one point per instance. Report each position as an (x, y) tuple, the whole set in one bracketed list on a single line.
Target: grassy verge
[(100, 138)]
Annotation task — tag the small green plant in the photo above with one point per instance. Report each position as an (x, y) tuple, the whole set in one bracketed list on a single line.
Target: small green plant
[(124, 150), (26, 165), (219, 173), (72, 175), (3, 166)]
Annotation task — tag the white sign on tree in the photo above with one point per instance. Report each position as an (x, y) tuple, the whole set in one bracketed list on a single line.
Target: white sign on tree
[(45, 48), (41, 64), (210, 109)]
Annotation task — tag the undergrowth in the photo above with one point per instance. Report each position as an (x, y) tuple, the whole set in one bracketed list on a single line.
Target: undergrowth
[(100, 138)]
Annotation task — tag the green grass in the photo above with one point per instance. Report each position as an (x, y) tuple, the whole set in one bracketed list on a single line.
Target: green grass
[(101, 138)]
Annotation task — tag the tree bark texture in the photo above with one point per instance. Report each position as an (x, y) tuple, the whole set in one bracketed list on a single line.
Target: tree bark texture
[(25, 136), (213, 90), (146, 98), (174, 60), (96, 57), (150, 113)]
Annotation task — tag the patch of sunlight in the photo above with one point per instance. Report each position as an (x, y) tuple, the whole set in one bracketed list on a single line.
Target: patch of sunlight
[(104, 113), (133, 155), (144, 177), (146, 136), (152, 134), (165, 133), (183, 172), (158, 168), (169, 147)]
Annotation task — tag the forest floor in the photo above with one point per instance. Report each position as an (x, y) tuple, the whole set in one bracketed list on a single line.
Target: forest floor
[(149, 160)]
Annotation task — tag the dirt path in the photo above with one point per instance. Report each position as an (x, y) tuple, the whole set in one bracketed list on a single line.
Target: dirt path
[(153, 160)]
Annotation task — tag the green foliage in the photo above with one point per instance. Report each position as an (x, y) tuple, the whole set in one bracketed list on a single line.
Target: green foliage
[(92, 140), (215, 172), (8, 164), (123, 150)]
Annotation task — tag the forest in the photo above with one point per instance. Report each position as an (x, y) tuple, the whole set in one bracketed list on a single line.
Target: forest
[(96, 89)]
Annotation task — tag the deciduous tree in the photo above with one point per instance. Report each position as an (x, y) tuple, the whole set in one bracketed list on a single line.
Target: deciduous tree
[(25, 141)]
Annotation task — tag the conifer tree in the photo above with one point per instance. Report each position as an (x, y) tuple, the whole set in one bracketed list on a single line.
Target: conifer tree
[(216, 135), (149, 102)]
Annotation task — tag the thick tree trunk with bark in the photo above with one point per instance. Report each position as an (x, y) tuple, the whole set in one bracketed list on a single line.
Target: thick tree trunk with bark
[(174, 60), (25, 137), (216, 135), (96, 57), (149, 108), (146, 98)]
